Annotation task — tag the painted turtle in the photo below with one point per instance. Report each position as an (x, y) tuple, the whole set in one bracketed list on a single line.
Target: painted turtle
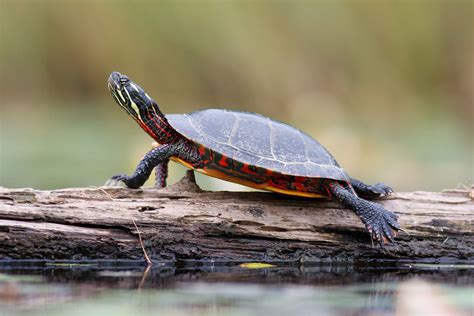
[(248, 149)]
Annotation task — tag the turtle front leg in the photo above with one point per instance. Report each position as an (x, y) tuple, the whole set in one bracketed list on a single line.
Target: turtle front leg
[(153, 158), (381, 223), (370, 191), (161, 173)]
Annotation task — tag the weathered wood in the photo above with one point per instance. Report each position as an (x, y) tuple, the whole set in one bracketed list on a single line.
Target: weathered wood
[(181, 223)]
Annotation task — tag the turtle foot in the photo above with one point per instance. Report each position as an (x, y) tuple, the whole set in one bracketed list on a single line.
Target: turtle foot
[(379, 189), (382, 225), (117, 181), (376, 191), (370, 192)]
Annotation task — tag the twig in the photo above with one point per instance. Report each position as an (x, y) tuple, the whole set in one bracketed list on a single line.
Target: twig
[(145, 274), (103, 191), (149, 262)]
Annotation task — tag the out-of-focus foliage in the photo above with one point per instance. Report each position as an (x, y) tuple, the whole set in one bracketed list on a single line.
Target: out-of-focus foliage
[(388, 87)]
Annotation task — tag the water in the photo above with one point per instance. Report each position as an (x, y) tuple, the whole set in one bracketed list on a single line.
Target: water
[(105, 288)]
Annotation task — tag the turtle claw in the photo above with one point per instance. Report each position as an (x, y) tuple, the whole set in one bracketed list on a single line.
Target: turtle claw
[(381, 224), (118, 181), (378, 190), (385, 188), (371, 191), (383, 228)]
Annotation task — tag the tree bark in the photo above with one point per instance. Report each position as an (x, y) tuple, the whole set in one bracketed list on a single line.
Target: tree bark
[(183, 223)]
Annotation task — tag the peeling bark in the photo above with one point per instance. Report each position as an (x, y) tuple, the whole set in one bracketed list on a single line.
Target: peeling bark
[(184, 223)]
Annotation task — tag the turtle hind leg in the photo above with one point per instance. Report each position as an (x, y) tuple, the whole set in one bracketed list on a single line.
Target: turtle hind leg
[(381, 223), (370, 191), (161, 173)]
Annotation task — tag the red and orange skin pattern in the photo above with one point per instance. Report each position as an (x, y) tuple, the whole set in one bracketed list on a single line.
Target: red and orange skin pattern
[(223, 167)]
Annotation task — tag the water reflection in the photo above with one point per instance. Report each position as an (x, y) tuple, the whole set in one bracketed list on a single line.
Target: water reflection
[(79, 289)]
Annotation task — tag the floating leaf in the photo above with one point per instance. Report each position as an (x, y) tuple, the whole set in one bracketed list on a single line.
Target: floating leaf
[(256, 265)]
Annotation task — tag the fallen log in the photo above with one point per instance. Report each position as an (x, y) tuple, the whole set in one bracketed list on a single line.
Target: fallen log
[(183, 223)]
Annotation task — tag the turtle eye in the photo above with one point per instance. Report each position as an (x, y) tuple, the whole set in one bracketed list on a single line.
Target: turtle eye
[(124, 79)]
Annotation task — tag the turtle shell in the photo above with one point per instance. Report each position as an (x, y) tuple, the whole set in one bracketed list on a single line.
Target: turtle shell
[(257, 140)]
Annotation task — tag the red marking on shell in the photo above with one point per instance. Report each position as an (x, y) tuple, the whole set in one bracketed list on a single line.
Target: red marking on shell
[(327, 190), (277, 183), (202, 150), (245, 168), (223, 162), (299, 181), (268, 172)]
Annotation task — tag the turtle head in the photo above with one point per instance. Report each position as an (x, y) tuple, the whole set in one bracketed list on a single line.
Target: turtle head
[(131, 97), (139, 105)]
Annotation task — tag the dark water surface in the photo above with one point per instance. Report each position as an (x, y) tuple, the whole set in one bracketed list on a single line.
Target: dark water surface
[(129, 288)]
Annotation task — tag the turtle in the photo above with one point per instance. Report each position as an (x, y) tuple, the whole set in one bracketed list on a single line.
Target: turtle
[(248, 149)]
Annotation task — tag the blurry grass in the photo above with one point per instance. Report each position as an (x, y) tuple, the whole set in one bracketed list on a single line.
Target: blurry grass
[(387, 86), (75, 146), (83, 145)]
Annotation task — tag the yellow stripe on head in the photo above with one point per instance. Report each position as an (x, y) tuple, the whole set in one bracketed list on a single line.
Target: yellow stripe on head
[(135, 108), (122, 99), (133, 105)]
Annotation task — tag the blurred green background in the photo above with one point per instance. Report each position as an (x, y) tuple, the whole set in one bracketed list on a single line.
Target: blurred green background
[(386, 86)]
